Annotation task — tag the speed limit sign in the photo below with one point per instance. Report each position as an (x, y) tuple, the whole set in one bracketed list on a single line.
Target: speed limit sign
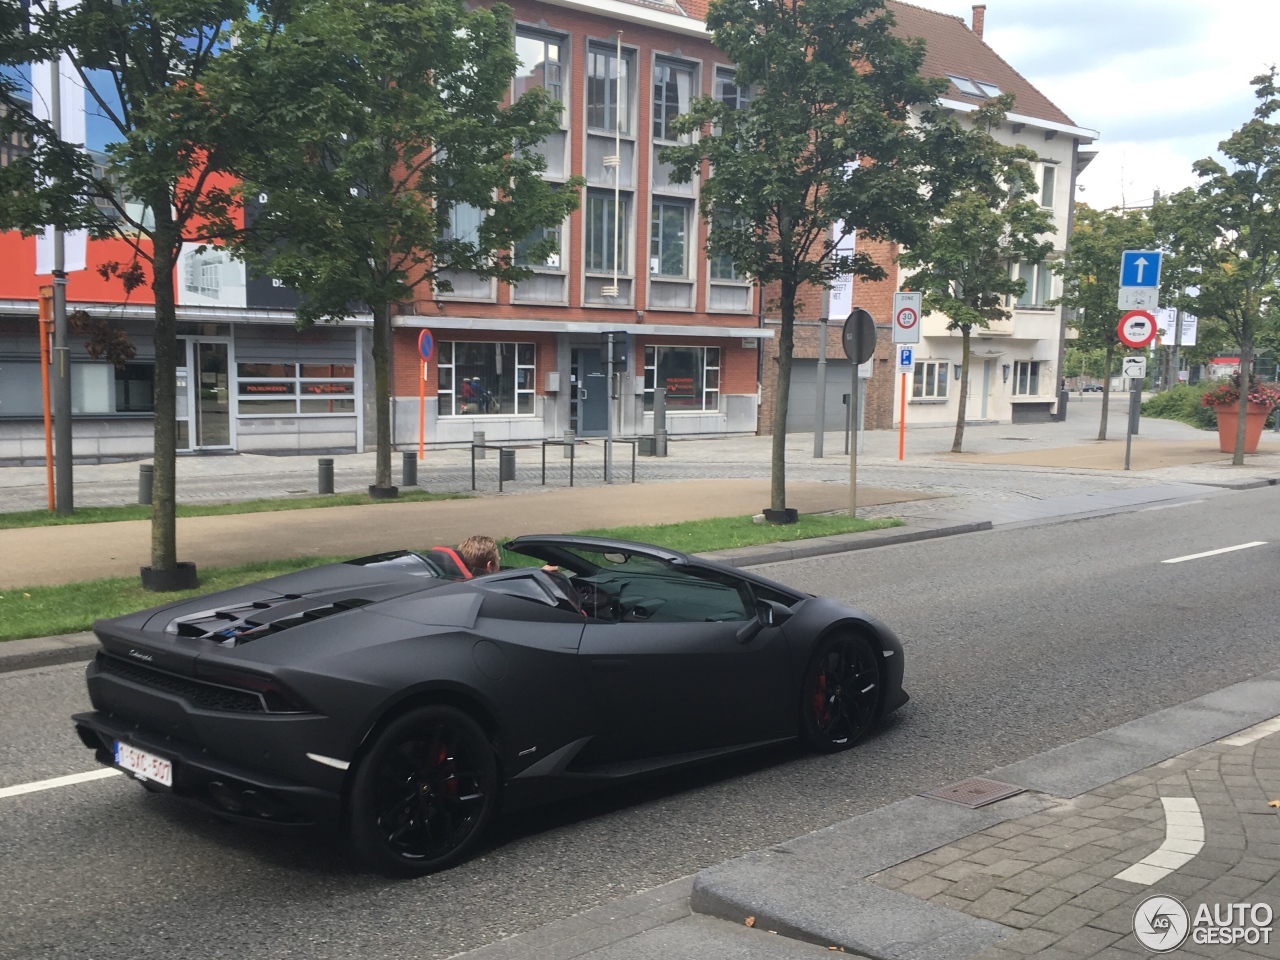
[(906, 317)]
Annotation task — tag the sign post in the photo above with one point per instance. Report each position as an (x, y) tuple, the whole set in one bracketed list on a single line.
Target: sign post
[(907, 307), (859, 346), (426, 347)]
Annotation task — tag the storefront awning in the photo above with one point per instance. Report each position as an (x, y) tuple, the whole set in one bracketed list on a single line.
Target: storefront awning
[(586, 327)]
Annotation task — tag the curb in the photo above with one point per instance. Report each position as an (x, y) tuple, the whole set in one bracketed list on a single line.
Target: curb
[(1245, 484), (47, 651), (839, 543), (815, 889)]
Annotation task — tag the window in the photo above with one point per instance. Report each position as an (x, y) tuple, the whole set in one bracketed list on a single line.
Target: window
[(1047, 185), (730, 94), (486, 379), (671, 85), (929, 380), (1037, 281), (1026, 378), (135, 388), (540, 64), (604, 73), (965, 85), (524, 249), (690, 375), (600, 252), (290, 389), (667, 239), (462, 223), (988, 89)]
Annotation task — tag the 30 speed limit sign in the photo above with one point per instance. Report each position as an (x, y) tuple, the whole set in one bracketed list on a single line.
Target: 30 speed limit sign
[(906, 317)]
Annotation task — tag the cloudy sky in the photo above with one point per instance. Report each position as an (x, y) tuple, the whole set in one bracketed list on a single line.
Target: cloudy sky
[(1164, 81)]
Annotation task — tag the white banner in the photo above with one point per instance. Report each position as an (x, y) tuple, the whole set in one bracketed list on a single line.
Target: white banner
[(840, 301), (73, 131)]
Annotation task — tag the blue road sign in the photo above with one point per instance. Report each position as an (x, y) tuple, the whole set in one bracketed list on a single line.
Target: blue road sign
[(1140, 268), (904, 357)]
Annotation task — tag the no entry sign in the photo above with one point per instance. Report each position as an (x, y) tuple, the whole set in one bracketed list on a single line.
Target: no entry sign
[(1137, 328)]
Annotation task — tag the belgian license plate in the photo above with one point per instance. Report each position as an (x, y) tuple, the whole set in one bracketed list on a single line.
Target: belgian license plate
[(146, 766)]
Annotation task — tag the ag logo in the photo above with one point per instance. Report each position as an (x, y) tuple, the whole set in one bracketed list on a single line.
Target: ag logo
[(1161, 923)]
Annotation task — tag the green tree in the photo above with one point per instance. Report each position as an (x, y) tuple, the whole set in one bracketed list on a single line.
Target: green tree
[(149, 71), (1091, 280), (1228, 231), (389, 131), (963, 262), (824, 139)]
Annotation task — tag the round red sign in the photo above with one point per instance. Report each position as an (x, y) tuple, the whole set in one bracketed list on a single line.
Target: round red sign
[(907, 318), (1137, 328)]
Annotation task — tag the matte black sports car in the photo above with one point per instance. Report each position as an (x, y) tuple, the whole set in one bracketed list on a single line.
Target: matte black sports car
[(400, 700)]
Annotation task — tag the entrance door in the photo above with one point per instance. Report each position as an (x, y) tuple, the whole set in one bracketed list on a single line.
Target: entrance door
[(212, 394), (593, 393), (986, 385)]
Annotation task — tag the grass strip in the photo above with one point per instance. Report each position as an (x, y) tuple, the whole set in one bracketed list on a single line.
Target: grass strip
[(69, 608), (43, 518)]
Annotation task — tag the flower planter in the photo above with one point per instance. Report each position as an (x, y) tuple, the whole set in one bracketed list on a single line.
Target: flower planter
[(1229, 414)]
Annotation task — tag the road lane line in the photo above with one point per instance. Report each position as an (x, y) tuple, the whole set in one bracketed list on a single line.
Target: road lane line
[(38, 785), (1214, 553), (1183, 839)]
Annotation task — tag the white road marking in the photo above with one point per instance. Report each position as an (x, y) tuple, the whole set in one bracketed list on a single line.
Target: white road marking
[(37, 785), (1214, 553), (1250, 734), (1183, 839)]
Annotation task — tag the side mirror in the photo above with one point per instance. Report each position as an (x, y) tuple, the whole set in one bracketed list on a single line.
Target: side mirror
[(769, 613)]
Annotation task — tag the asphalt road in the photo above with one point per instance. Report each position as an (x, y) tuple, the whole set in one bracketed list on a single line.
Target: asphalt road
[(1018, 640)]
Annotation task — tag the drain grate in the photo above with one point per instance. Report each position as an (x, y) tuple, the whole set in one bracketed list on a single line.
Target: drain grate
[(975, 792)]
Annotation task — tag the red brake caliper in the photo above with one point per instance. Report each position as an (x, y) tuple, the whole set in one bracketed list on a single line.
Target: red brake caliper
[(820, 708), (449, 786)]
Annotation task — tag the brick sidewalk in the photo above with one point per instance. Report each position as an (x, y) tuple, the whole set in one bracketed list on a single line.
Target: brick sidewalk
[(1053, 875)]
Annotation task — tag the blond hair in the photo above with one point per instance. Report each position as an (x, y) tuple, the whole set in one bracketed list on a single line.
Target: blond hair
[(478, 553)]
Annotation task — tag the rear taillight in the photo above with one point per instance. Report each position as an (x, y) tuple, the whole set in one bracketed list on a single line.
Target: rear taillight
[(276, 697)]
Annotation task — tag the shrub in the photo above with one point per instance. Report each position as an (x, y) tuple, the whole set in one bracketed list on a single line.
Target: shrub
[(1183, 402)]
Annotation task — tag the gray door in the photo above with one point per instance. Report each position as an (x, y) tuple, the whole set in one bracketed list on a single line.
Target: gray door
[(213, 395), (593, 394), (804, 392)]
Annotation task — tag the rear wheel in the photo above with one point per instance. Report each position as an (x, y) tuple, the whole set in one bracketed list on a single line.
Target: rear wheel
[(424, 792), (840, 694)]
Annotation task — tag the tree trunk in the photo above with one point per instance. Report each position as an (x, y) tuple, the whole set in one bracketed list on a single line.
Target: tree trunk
[(964, 389), (164, 532), (1106, 391), (1246, 369), (382, 392), (781, 400)]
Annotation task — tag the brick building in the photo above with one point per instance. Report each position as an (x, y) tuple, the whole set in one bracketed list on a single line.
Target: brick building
[(1015, 364)]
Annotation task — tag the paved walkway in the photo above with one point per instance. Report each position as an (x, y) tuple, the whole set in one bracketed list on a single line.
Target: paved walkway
[(1176, 804), (37, 556)]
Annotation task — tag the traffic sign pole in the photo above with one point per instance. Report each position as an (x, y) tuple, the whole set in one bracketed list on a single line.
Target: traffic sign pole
[(426, 347), (902, 419)]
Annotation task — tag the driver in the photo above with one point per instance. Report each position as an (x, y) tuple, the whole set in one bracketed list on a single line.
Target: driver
[(480, 554)]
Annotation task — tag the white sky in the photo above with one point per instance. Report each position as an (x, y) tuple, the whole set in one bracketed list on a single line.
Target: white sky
[(1163, 81)]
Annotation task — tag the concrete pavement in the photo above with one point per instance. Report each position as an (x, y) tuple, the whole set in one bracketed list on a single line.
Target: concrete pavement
[(1175, 803)]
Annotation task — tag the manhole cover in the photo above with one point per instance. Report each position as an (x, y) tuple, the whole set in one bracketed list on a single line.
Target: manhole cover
[(975, 792)]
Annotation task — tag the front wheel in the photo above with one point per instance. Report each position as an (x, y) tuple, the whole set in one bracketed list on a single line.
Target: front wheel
[(424, 792), (841, 693)]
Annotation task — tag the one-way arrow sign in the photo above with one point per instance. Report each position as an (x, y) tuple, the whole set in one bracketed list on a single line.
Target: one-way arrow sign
[(1140, 268)]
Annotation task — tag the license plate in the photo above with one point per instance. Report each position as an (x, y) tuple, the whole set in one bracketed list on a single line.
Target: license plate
[(143, 765)]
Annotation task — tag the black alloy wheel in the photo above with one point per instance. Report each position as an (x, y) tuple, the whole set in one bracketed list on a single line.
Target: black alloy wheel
[(424, 792), (841, 693)]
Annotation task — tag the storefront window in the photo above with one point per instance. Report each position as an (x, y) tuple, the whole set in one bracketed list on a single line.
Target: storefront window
[(290, 389), (486, 379), (690, 375)]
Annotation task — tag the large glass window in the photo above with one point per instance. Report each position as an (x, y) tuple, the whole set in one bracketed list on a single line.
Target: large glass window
[(1026, 378), (929, 380), (1038, 284), (96, 388), (540, 64), (690, 375), (668, 239), (604, 74), (290, 389), (462, 223), (524, 249), (486, 379), (1047, 186), (721, 264), (672, 83), (600, 252)]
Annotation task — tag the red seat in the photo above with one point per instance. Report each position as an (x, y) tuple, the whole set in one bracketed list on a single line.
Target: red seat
[(448, 558)]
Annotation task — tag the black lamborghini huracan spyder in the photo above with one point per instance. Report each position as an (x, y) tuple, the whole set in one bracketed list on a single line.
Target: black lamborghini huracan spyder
[(397, 698)]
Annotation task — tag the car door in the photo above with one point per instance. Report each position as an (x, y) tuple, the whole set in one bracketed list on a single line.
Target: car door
[(672, 675)]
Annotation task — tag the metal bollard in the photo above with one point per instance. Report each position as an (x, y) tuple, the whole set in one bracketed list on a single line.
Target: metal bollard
[(409, 469), (507, 464), (326, 474), (570, 438), (477, 440), (146, 477)]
